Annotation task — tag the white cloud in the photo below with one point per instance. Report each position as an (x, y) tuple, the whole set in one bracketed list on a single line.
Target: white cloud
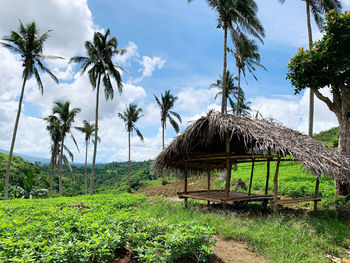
[(131, 51), (149, 66), (293, 111)]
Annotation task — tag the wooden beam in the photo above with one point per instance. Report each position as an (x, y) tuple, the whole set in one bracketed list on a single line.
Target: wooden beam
[(202, 191), (275, 188), (251, 177), (316, 192), (297, 200), (228, 156), (267, 176), (185, 185)]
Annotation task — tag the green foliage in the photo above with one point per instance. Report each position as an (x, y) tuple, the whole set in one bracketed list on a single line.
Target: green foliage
[(327, 63), (48, 230), (286, 238), (329, 137)]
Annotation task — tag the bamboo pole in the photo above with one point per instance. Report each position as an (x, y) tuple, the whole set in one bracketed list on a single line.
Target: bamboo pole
[(267, 176), (228, 168), (316, 192), (251, 177), (208, 173), (275, 188)]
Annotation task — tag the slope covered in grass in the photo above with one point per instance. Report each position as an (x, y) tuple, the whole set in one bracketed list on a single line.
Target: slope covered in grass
[(329, 137)]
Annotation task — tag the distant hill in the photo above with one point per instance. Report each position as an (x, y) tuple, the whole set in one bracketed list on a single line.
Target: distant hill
[(329, 137), (29, 158)]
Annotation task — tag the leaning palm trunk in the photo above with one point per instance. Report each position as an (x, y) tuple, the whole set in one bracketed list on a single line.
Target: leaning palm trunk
[(163, 133), (60, 170), (51, 177), (92, 177), (7, 176), (85, 178), (224, 95), (238, 91), (311, 104), (129, 184)]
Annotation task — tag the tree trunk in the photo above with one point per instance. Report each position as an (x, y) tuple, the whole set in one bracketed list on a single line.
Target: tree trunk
[(7, 176), (224, 95), (85, 178), (92, 177), (51, 177), (238, 91), (163, 131), (129, 184), (311, 104), (60, 169)]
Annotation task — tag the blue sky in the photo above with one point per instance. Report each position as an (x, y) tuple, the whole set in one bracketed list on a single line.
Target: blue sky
[(170, 45)]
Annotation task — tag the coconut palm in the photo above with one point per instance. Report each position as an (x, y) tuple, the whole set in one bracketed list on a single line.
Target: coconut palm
[(65, 116), (237, 16), (318, 8), (88, 129), (100, 67), (130, 116), (54, 128), (247, 57), (29, 45), (166, 103)]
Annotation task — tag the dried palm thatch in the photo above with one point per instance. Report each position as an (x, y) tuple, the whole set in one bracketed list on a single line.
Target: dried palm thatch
[(201, 147)]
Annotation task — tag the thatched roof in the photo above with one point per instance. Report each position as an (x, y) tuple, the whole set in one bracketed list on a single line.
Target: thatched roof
[(201, 147)]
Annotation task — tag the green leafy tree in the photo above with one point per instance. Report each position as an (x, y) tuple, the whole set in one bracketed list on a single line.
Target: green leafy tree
[(318, 8), (65, 117), (327, 64), (130, 116), (88, 129), (232, 92), (247, 57), (166, 102), (29, 45), (100, 67), (237, 16)]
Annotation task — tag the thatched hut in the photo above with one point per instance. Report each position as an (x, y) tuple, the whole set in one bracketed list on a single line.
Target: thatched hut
[(214, 142)]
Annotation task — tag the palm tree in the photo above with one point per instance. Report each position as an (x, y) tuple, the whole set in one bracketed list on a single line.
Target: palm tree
[(130, 116), (232, 92), (247, 57), (54, 129), (100, 66), (318, 9), (65, 116), (29, 45), (166, 103), (237, 16), (88, 130)]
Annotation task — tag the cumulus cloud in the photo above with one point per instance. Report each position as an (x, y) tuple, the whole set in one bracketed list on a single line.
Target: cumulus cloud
[(131, 51), (149, 65)]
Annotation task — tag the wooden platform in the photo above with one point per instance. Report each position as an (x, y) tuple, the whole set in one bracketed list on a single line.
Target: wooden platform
[(219, 196), (298, 200)]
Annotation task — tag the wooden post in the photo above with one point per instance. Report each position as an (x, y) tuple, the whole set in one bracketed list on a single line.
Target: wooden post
[(275, 186), (251, 177), (228, 168), (185, 185), (208, 173), (316, 192), (267, 177)]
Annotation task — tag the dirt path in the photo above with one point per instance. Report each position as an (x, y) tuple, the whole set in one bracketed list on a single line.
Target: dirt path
[(232, 251)]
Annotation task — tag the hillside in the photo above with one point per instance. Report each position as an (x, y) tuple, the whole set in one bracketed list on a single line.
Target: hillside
[(329, 137)]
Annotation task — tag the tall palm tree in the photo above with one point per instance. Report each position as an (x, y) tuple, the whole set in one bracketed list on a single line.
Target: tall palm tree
[(88, 129), (166, 103), (54, 129), (100, 67), (65, 116), (247, 57), (130, 116), (237, 16), (29, 45), (318, 8)]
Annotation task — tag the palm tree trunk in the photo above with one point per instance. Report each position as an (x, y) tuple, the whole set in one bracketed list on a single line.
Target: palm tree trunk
[(92, 177), (85, 178), (7, 176), (129, 161), (311, 104), (238, 91), (60, 169), (163, 128), (51, 177), (224, 95)]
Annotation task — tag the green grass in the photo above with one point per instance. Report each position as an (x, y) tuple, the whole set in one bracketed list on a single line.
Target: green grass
[(286, 238)]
